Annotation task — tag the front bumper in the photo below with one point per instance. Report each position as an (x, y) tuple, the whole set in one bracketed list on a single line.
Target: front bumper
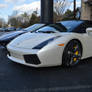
[(24, 56), (22, 61), (36, 58)]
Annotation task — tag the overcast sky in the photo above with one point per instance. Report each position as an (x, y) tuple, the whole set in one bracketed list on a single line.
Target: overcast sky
[(8, 6)]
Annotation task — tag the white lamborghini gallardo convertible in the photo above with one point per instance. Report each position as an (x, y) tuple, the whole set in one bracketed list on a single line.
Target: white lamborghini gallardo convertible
[(64, 43)]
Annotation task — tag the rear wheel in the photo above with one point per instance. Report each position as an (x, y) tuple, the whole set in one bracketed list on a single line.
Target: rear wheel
[(72, 53)]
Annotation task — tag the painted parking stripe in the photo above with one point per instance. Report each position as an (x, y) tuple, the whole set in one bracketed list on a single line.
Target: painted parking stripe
[(53, 89)]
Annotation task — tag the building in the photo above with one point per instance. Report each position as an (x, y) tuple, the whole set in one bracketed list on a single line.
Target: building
[(86, 13)]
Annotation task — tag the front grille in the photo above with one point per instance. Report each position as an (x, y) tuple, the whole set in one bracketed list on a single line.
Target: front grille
[(32, 59)]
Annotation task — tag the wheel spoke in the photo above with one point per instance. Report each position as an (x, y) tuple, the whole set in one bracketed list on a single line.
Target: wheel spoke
[(74, 54), (71, 61), (70, 53)]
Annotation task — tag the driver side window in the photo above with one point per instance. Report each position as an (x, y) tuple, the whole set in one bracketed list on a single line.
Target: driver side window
[(82, 28)]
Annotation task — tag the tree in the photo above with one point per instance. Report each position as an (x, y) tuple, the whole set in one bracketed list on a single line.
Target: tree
[(23, 20), (59, 9), (13, 21), (57, 17), (2, 22), (34, 19), (68, 15), (35, 12), (25, 15)]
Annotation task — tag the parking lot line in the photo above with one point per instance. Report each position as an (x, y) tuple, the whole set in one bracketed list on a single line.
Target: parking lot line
[(53, 89)]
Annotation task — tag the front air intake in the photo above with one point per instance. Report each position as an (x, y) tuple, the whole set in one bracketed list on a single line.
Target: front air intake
[(32, 59)]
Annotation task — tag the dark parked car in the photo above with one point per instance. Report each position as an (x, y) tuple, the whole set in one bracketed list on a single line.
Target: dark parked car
[(11, 29), (3, 29), (19, 29), (6, 38)]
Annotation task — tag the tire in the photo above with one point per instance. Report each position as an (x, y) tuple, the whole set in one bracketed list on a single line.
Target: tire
[(72, 53)]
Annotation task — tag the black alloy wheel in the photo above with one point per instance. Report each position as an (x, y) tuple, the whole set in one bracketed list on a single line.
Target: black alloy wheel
[(72, 53)]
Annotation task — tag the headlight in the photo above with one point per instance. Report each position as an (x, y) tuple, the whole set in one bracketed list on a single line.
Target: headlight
[(41, 45)]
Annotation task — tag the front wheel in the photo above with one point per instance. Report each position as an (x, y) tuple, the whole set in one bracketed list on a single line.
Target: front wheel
[(72, 53)]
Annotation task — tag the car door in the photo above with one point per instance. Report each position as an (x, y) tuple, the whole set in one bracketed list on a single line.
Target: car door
[(87, 39)]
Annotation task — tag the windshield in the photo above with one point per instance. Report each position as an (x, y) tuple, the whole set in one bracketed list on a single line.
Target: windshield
[(47, 29), (33, 27), (52, 28), (70, 25)]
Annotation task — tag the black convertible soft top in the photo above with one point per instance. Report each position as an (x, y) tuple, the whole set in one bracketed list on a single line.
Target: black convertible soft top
[(77, 26)]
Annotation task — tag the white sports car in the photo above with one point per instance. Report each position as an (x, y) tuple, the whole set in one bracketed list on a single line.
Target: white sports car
[(64, 43)]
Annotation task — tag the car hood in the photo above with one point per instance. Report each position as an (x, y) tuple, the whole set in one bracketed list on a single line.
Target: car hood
[(29, 40), (9, 35)]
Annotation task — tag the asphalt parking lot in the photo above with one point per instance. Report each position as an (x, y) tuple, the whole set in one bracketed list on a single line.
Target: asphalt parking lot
[(19, 78)]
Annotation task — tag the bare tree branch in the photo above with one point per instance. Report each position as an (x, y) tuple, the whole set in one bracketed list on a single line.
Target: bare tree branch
[(59, 8)]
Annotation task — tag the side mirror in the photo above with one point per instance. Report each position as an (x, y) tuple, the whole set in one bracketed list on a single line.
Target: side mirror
[(89, 31)]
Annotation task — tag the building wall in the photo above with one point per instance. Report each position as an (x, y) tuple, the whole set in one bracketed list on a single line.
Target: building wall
[(86, 13)]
